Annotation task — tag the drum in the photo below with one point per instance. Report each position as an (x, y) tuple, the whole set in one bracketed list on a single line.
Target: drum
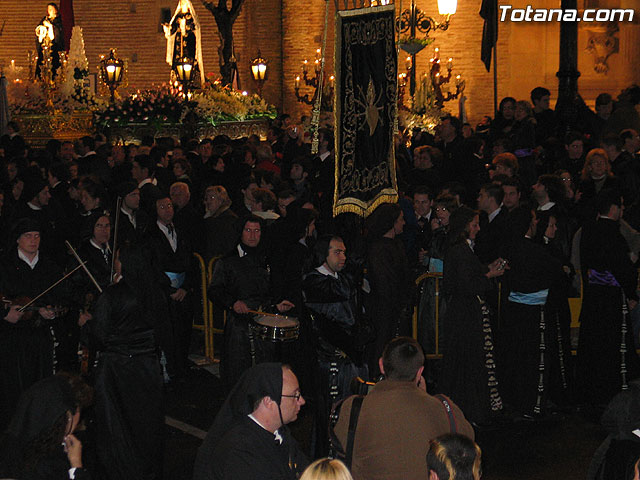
[(276, 328)]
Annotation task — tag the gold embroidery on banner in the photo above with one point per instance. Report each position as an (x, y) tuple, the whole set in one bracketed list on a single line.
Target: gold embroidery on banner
[(357, 111)]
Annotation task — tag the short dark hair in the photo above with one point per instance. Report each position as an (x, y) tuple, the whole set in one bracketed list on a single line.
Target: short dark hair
[(539, 92), (455, 122), (321, 248), (572, 137), (423, 190), (511, 182), (60, 171), (327, 134), (89, 142), (603, 99), (145, 162), (553, 185), (454, 456), (402, 358), (613, 140), (157, 153), (266, 197), (494, 191), (627, 134), (606, 199)]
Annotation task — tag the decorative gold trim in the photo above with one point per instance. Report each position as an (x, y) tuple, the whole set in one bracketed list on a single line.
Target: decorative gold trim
[(387, 195)]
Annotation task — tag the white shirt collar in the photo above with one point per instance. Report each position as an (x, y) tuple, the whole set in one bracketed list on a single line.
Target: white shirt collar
[(33, 207), (494, 214), (152, 181), (325, 271), (32, 263), (172, 237), (277, 435), (92, 242), (323, 156), (546, 206), (241, 251), (130, 216)]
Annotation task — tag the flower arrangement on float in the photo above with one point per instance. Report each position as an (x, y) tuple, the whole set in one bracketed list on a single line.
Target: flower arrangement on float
[(166, 104)]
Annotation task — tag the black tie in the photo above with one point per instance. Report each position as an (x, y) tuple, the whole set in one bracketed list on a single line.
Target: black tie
[(170, 229)]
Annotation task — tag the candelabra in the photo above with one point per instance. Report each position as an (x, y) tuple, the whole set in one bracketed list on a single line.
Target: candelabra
[(439, 78), (304, 79)]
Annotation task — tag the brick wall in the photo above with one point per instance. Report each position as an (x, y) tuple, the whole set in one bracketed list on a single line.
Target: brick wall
[(287, 31)]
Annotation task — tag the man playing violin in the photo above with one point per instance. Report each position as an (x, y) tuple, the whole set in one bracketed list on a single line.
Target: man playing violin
[(26, 338)]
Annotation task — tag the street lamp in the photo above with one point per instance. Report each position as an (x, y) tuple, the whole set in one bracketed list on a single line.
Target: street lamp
[(413, 20), (112, 69), (259, 71), (183, 70)]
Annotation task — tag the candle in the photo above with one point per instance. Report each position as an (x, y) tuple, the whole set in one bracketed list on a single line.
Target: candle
[(318, 54), (436, 53), (332, 81), (408, 62), (458, 80), (297, 82), (317, 62), (305, 66), (450, 63)]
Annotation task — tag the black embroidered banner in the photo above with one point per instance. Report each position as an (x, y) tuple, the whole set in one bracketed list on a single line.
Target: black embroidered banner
[(365, 109)]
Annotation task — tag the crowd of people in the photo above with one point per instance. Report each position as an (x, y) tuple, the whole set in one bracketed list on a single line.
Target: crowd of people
[(97, 242)]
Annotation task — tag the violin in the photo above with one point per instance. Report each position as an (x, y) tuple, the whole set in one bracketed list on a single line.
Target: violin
[(29, 308)]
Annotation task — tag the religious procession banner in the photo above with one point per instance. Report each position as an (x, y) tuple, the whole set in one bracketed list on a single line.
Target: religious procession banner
[(365, 109)]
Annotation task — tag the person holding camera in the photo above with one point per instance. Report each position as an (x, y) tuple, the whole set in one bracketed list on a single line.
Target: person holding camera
[(397, 418)]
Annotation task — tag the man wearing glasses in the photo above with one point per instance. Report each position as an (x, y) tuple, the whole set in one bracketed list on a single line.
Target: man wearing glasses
[(249, 438)]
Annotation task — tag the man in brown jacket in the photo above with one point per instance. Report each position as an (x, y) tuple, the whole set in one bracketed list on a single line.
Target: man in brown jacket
[(398, 418)]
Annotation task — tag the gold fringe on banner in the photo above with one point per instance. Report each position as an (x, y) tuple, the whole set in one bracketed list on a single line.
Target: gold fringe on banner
[(387, 195)]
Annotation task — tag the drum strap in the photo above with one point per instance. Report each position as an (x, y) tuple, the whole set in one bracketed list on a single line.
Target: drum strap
[(447, 407)]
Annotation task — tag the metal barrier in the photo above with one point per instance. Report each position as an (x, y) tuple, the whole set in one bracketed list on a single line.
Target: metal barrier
[(207, 326), (575, 306)]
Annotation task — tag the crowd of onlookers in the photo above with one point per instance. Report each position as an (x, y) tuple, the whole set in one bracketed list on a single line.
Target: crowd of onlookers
[(519, 198)]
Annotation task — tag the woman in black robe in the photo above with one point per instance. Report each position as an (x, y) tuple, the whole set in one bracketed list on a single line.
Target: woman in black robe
[(533, 272), (390, 280), (128, 380), (558, 315), (39, 443), (50, 25), (468, 366)]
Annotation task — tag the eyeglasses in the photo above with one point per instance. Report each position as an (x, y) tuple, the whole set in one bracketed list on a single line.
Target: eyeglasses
[(297, 396)]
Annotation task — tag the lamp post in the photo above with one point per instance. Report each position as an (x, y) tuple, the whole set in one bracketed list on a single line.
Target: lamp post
[(112, 69), (413, 20), (183, 70), (259, 71)]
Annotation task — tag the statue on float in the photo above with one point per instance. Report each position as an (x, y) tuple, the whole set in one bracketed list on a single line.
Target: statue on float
[(183, 39)]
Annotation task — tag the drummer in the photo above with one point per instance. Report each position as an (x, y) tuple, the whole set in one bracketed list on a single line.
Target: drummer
[(241, 283)]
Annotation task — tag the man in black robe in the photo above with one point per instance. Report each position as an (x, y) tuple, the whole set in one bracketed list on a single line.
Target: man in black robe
[(339, 330), (607, 358), (133, 222), (249, 439), (241, 284), (27, 343)]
